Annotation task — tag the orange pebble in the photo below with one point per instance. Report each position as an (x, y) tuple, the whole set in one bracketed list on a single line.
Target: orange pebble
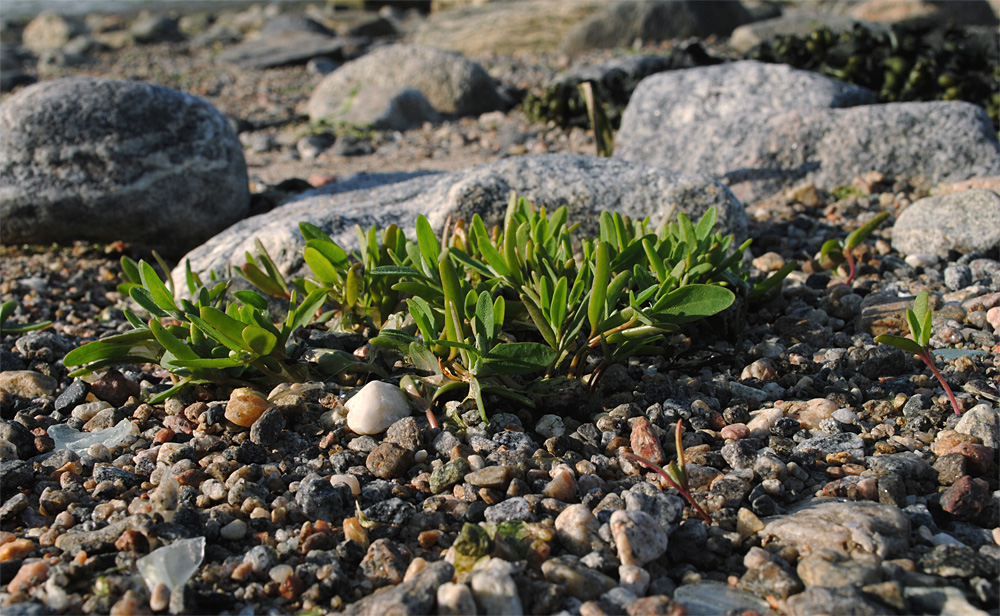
[(28, 576), (18, 548)]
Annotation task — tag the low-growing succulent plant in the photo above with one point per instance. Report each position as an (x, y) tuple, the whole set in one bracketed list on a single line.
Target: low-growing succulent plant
[(475, 311), (6, 310), (833, 252), (919, 320)]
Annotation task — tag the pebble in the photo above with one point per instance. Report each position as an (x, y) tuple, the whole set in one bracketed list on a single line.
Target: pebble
[(578, 580), (494, 589), (349, 480), (245, 406), (839, 600), (846, 527), (30, 574), (562, 487), (234, 531), (828, 568), (735, 431), (492, 477), (376, 407), (27, 384), (266, 430), (644, 441), (448, 474), (966, 498), (717, 598), (983, 422), (455, 600), (549, 426), (511, 510), (389, 460), (638, 537), (576, 529), (633, 579)]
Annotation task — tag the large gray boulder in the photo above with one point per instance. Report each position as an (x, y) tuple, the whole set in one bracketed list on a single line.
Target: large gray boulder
[(587, 185), (664, 101), (622, 23), (761, 129), (105, 160), (450, 83), (967, 221)]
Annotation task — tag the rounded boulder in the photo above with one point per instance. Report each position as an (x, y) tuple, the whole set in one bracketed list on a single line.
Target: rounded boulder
[(107, 160)]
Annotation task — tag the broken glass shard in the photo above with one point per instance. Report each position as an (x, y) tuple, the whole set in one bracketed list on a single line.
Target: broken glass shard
[(172, 564), (78, 442)]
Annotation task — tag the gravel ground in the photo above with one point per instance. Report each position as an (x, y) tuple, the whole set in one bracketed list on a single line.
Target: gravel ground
[(799, 403)]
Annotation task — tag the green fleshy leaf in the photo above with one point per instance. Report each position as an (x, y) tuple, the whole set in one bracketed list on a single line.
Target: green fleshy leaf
[(157, 290), (693, 302), (900, 343), (144, 298), (259, 340), (515, 358), (427, 241), (251, 299)]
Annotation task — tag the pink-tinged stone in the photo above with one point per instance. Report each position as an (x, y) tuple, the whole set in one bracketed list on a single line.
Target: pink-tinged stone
[(28, 576), (948, 441), (966, 498), (735, 431), (644, 442), (164, 435), (178, 424), (978, 457), (114, 388)]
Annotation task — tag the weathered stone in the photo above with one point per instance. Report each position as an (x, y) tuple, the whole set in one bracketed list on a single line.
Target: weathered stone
[(622, 23), (586, 184), (451, 84), (285, 48), (413, 597), (758, 154), (98, 159), (842, 526), (967, 221)]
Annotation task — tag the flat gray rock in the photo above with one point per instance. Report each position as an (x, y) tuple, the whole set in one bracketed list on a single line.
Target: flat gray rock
[(451, 83), (665, 101), (844, 526), (587, 185), (797, 23), (414, 596), (966, 221), (758, 154), (105, 160), (622, 23), (283, 48)]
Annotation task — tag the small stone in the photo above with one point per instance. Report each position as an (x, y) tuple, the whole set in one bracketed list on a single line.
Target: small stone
[(844, 527), (966, 498), (958, 561), (661, 605), (492, 477), (644, 441), (764, 369), (349, 480), (129, 605), (385, 563), (950, 468), (376, 407), (576, 529), (455, 600), (17, 549), (448, 474), (389, 460), (132, 541), (234, 531), (405, 433), (30, 574), (983, 422), (828, 568), (638, 537), (735, 431), (747, 523), (494, 589), (27, 384), (114, 388), (245, 406), (159, 597), (511, 510), (578, 580), (634, 579), (839, 600), (319, 500), (562, 487), (266, 430), (549, 426), (717, 598)]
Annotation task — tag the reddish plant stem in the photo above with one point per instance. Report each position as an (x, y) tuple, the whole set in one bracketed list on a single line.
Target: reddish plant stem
[(850, 262), (929, 360), (682, 489)]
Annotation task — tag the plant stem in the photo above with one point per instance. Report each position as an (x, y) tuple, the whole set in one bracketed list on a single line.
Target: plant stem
[(929, 360), (684, 491), (850, 262)]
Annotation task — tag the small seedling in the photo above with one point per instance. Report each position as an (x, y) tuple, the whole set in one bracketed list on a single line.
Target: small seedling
[(919, 320), (833, 253), (7, 309), (674, 474)]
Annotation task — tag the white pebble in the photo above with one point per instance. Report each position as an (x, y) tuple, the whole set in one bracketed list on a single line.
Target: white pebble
[(455, 600), (350, 480), (376, 407), (550, 425), (421, 456), (280, 572)]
